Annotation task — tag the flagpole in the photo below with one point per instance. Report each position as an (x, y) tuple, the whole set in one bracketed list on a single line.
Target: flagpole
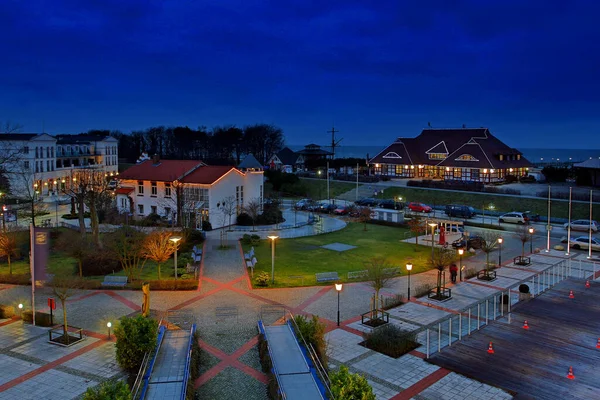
[(569, 226), (356, 181), (328, 197), (32, 268), (590, 232), (549, 226)]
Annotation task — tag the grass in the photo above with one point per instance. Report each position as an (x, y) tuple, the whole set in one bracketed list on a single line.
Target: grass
[(316, 189), (304, 256)]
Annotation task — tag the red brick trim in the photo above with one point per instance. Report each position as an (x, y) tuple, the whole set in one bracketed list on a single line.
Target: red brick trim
[(421, 385)]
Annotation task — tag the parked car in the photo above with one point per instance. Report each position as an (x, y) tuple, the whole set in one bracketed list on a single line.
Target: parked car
[(514, 218), (303, 204), (533, 217), (390, 204), (453, 210), (583, 242), (474, 241), (341, 210), (367, 201), (326, 208), (583, 225), (419, 207)]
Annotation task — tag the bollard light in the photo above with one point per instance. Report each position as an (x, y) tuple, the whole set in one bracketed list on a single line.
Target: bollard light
[(108, 325), (20, 306), (409, 268), (338, 288)]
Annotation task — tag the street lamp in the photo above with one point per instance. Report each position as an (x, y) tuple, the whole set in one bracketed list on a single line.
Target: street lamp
[(500, 240), (531, 230), (338, 288), (108, 325), (273, 238), (432, 225), (409, 268), (175, 239), (460, 254)]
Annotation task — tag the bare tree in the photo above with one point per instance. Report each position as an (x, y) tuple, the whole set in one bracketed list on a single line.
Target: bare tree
[(440, 260), (64, 288), (252, 208), (76, 246), (489, 244), (364, 216), (227, 206), (9, 127), (416, 226), (524, 236), (8, 246), (378, 278), (158, 247), (127, 244), (97, 182), (31, 193)]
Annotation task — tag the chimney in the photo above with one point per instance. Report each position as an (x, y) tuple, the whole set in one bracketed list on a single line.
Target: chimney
[(155, 159)]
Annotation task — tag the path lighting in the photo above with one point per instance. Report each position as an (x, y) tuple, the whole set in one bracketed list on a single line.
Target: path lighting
[(409, 268), (175, 239), (108, 325), (273, 238), (460, 254), (433, 226), (531, 230), (338, 288), (500, 240)]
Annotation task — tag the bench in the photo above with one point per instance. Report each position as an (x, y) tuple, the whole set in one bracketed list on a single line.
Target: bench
[(358, 274), (250, 254), (327, 277), (197, 257), (391, 271), (113, 280)]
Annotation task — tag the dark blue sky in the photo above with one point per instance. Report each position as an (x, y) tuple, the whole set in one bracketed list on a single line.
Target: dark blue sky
[(529, 71)]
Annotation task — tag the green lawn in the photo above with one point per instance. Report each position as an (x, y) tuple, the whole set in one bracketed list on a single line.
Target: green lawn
[(304, 256), (560, 209), (317, 188)]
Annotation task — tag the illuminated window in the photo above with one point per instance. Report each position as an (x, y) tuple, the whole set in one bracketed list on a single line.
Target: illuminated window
[(437, 156), (465, 157)]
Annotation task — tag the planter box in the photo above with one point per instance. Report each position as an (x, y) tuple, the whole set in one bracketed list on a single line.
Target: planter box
[(56, 336), (485, 275), (443, 295), (375, 318), (520, 260)]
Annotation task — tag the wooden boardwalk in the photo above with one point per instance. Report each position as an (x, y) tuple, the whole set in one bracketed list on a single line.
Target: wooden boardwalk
[(533, 364)]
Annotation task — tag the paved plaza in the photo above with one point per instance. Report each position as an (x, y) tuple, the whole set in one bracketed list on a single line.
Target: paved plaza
[(230, 365)]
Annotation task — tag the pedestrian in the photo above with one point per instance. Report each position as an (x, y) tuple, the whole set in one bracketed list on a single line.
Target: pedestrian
[(453, 272)]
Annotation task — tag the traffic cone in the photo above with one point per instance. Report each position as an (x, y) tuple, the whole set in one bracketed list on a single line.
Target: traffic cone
[(598, 344), (571, 295), (490, 349), (587, 284), (570, 374), (525, 326)]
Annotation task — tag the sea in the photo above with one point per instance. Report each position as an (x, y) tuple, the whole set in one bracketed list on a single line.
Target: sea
[(535, 155)]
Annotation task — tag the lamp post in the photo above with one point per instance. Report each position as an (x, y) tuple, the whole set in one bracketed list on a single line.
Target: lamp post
[(108, 325), (500, 240), (432, 225), (460, 254), (338, 288), (531, 230), (409, 268), (175, 239), (273, 238)]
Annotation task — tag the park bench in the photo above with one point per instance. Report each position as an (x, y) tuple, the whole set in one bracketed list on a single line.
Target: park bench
[(196, 254), (112, 280), (250, 254), (358, 274), (327, 277), (391, 271)]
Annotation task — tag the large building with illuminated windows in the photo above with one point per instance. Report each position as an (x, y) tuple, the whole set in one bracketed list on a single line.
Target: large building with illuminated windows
[(464, 154)]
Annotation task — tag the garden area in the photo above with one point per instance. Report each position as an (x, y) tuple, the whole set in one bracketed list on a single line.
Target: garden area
[(280, 184), (298, 260)]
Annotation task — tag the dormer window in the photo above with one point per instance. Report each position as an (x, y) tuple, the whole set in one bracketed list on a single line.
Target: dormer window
[(437, 156), (501, 157), (392, 154), (466, 157), (518, 156)]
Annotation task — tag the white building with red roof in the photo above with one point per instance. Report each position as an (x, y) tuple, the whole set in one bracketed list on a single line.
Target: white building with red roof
[(187, 191)]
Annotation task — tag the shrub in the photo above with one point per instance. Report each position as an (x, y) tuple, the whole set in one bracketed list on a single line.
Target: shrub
[(246, 239), (270, 216), (262, 279), (244, 219), (254, 240), (7, 311), (391, 302), (263, 354), (135, 337), (99, 263), (109, 390), (183, 260), (313, 332), (194, 367), (75, 216), (15, 279), (346, 385), (523, 288), (41, 318), (423, 289), (391, 340), (171, 284)]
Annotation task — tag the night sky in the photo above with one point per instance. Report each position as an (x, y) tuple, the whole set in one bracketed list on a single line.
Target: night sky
[(377, 69)]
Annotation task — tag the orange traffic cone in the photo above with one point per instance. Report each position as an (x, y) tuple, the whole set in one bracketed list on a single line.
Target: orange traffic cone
[(598, 344), (525, 326), (490, 349), (571, 295), (587, 284), (570, 374)]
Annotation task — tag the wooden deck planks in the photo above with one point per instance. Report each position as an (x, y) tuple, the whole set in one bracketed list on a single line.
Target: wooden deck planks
[(534, 363)]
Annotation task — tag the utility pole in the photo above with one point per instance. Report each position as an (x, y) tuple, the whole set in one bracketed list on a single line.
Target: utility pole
[(334, 143)]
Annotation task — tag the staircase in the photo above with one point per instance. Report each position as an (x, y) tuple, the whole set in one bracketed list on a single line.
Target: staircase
[(364, 190)]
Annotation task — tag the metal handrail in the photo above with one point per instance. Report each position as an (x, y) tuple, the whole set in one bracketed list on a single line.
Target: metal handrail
[(262, 330), (143, 367), (186, 373)]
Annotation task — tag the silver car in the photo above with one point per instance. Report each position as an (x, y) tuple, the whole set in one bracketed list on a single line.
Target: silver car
[(583, 225), (514, 218), (583, 242)]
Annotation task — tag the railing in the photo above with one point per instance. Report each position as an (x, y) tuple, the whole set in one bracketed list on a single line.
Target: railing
[(142, 375), (186, 372), (486, 310), (280, 392)]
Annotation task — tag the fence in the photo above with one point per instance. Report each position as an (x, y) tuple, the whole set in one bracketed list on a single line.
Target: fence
[(450, 329)]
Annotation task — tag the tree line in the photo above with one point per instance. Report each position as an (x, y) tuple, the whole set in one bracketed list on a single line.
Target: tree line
[(225, 144)]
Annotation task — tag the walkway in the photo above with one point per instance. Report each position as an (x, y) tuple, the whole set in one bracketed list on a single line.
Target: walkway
[(289, 364)]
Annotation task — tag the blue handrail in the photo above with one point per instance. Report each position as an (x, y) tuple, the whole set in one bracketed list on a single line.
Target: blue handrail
[(186, 372), (148, 374)]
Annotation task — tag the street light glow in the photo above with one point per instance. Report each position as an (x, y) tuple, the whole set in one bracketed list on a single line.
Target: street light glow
[(273, 237), (432, 224), (175, 239), (338, 287), (531, 230), (409, 267), (461, 252), (500, 240), (108, 324)]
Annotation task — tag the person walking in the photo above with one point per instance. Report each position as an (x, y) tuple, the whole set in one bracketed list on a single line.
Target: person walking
[(453, 272)]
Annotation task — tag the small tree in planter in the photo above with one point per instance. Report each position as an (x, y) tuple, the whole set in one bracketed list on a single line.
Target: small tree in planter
[(488, 245), (442, 258), (524, 236), (416, 226), (63, 288), (378, 279)]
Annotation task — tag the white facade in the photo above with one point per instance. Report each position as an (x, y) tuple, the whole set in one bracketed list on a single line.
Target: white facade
[(38, 162), (199, 202)]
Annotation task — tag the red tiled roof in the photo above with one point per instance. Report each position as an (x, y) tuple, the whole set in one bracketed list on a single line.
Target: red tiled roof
[(164, 171), (124, 190), (207, 174)]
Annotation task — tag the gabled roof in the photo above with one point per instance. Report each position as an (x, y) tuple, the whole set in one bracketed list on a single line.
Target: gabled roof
[(439, 148), (593, 163), (124, 190), (208, 174), (164, 171), (287, 156), (250, 162), (76, 139)]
